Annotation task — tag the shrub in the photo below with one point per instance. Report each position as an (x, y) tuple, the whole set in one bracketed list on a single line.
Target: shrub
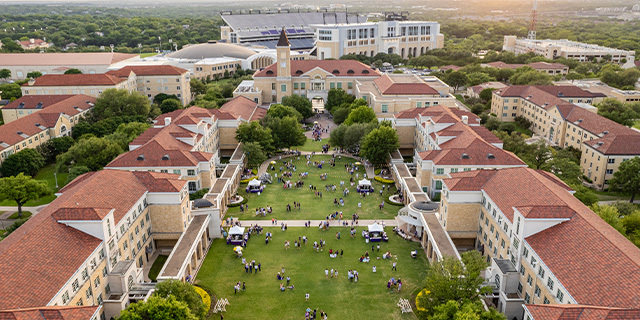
[(377, 171), (386, 199), (383, 180), (245, 181), (436, 198), (206, 298), (244, 200), (198, 194)]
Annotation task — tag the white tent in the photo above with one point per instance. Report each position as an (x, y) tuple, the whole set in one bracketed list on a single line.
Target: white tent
[(254, 183), (236, 230), (375, 228), (364, 182)]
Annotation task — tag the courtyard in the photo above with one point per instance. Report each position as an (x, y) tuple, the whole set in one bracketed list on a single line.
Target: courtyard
[(339, 297), (313, 207)]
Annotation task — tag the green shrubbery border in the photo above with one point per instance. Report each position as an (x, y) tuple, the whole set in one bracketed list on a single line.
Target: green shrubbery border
[(244, 200), (383, 180)]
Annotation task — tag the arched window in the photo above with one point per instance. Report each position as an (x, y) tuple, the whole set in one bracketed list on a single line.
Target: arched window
[(130, 282)]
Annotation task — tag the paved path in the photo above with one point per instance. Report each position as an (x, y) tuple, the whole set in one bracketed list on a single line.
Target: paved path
[(265, 165), (8, 210), (325, 122), (314, 223)]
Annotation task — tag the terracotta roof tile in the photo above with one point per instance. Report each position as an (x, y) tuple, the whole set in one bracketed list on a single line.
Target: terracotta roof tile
[(157, 70), (344, 68), (617, 144), (51, 313), (390, 86), (240, 107), (153, 154), (59, 80), (580, 312), (36, 101)]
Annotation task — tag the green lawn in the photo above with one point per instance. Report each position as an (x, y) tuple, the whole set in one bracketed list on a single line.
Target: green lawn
[(611, 195), (313, 208), (311, 145), (25, 214), (368, 298), (157, 266), (636, 124), (45, 174), (148, 54)]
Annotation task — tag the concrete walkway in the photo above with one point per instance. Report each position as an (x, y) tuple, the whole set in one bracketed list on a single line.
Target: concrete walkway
[(9, 210), (323, 121), (314, 223)]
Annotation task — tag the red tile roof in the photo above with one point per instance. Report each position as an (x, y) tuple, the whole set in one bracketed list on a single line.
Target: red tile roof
[(36, 42), (153, 154), (478, 153), (580, 312), (344, 68), (36, 101), (389, 86), (592, 254), (43, 254), (617, 144), (240, 107), (51, 313), (40, 121), (158, 70), (59, 80)]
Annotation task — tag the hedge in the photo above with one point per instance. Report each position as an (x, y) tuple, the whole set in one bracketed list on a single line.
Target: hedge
[(206, 298), (245, 181), (244, 200), (377, 171), (383, 180), (386, 199)]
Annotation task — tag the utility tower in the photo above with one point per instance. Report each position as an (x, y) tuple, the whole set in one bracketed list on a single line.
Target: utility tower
[(534, 18)]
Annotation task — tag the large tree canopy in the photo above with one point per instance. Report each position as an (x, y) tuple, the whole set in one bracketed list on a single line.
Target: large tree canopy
[(378, 144), (361, 114), (93, 153), (254, 132), (22, 188), (299, 103), (183, 292), (627, 178), (120, 102), (157, 308), (27, 161)]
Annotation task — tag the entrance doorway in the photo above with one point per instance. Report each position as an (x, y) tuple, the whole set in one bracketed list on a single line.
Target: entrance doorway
[(317, 104)]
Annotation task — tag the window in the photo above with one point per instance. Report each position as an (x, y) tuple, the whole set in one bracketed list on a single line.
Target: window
[(332, 85), (75, 285), (192, 186), (541, 272), (302, 85), (529, 279), (527, 298), (385, 108), (191, 172), (349, 85), (519, 287), (454, 170), (525, 252), (107, 289), (104, 273), (559, 295), (283, 88), (85, 274), (609, 171), (295, 85), (339, 85), (537, 291), (546, 301), (438, 184), (550, 283), (96, 282), (176, 171), (100, 298), (440, 171), (611, 160), (522, 270), (88, 293), (65, 297)]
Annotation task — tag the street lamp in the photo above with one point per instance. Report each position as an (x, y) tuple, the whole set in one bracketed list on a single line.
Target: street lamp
[(160, 44)]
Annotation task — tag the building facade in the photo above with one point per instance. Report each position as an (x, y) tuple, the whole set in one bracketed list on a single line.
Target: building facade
[(583, 52), (88, 84), (545, 67), (405, 38), (153, 80), (33, 129)]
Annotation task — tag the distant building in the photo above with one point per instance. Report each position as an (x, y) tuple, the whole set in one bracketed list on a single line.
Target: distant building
[(54, 312), (263, 29), (474, 91), (405, 38), (552, 49), (89, 84), (43, 118), (57, 63), (33, 44), (597, 86), (546, 67)]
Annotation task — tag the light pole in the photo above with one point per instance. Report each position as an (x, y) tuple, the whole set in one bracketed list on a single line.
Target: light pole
[(160, 44), (55, 175)]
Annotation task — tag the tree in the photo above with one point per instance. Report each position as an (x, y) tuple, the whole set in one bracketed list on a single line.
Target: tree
[(286, 132), (197, 86), (610, 215), (255, 154), (476, 78), (353, 135), (337, 97), (622, 113), (361, 114), (449, 279), (281, 111), (27, 161), (539, 155), (377, 145), (169, 105), (455, 310), (76, 171), (565, 169), (11, 91), (183, 292), (529, 76), (53, 147), (8, 45), (341, 113), (627, 178), (22, 188), (158, 98), (584, 194), (34, 74), (336, 137), (456, 79), (120, 102), (486, 94), (5, 73), (299, 103), (73, 71), (92, 152), (157, 308), (254, 132)]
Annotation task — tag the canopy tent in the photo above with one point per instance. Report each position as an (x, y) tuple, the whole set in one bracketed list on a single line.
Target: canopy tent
[(254, 183), (254, 186), (236, 230), (364, 182), (375, 227), (364, 185)]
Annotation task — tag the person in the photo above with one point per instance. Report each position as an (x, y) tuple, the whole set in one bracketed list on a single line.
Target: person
[(282, 287), (288, 280), (259, 266), (306, 296), (394, 266), (341, 252), (399, 285), (244, 288), (332, 272), (326, 273), (374, 269), (235, 289)]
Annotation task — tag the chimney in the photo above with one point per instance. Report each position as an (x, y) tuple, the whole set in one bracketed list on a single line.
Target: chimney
[(167, 121), (465, 119)]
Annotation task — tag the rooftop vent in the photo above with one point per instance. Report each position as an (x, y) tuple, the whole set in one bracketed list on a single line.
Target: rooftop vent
[(299, 72), (19, 132), (165, 157), (560, 94), (140, 157), (465, 156), (605, 132), (37, 124), (491, 156)]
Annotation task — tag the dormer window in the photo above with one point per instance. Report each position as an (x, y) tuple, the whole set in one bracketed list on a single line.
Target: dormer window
[(269, 72), (491, 156), (165, 157), (335, 71), (465, 156), (350, 71), (140, 157), (299, 72), (365, 71)]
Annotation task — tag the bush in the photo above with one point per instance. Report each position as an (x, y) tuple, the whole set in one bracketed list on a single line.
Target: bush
[(198, 194), (377, 171), (233, 205), (245, 181), (436, 198), (383, 180), (14, 226), (386, 199), (206, 298)]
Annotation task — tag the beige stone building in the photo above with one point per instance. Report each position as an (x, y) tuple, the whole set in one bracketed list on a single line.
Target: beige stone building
[(89, 84), (153, 80), (393, 93), (89, 247), (541, 241), (34, 44), (474, 91), (215, 68), (57, 63), (597, 86), (27, 105), (563, 116), (552, 49), (31, 130), (309, 78)]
